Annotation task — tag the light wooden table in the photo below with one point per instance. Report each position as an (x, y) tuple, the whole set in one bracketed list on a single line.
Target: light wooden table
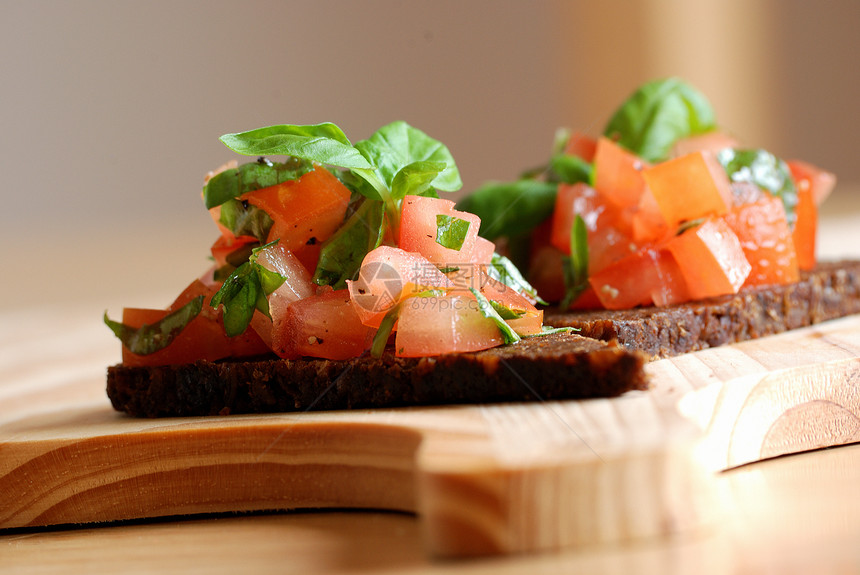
[(795, 514)]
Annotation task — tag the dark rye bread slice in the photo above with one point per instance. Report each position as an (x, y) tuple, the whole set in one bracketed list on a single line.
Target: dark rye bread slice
[(557, 366), (830, 291)]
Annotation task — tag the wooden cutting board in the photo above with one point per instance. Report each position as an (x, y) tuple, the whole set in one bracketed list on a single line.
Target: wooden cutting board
[(481, 479)]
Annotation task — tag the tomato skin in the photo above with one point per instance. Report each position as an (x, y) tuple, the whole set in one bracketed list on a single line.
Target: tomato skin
[(418, 231), (306, 211), (202, 339), (766, 239), (323, 325), (446, 324), (711, 259)]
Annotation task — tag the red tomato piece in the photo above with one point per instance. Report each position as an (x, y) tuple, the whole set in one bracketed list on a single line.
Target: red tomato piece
[(640, 279), (389, 275), (582, 145), (324, 325), (202, 339), (618, 174), (712, 141), (689, 187), (418, 229), (805, 231), (821, 182), (607, 242), (447, 324), (764, 235), (307, 210), (711, 259)]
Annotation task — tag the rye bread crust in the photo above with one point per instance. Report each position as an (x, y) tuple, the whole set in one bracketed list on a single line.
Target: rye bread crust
[(558, 366), (830, 291)]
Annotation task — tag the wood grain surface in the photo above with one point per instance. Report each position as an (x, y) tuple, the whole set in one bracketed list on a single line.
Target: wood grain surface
[(487, 479)]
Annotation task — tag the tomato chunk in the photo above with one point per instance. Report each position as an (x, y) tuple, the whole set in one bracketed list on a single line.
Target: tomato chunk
[(582, 145), (446, 324), (640, 279), (418, 230), (711, 259), (387, 276), (202, 339), (764, 235), (306, 211), (324, 325), (618, 173), (689, 187)]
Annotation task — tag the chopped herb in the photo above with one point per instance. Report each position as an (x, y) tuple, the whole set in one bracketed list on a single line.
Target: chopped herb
[(575, 266), (150, 338), (451, 231), (489, 312)]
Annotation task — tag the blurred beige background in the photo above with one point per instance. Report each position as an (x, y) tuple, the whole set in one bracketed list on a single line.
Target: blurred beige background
[(111, 110)]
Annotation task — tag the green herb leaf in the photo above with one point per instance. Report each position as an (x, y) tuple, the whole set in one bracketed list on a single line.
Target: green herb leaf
[(506, 312), (321, 143), (245, 291), (342, 254), (252, 176), (397, 145), (657, 115), (510, 209), (150, 338), (245, 219), (451, 231), (764, 170), (415, 179), (549, 330), (380, 338), (489, 312), (502, 269), (569, 169), (575, 266)]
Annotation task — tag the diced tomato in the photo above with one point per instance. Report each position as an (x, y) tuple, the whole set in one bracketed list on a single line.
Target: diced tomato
[(764, 235), (804, 235), (297, 285), (202, 339), (445, 324), (418, 227), (531, 320), (712, 141), (640, 279), (582, 145), (324, 325), (689, 187), (607, 242), (483, 252), (618, 174), (224, 246), (821, 182), (387, 276), (711, 259), (304, 211), (545, 269)]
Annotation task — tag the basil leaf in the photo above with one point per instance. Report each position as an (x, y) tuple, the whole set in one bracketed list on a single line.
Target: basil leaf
[(321, 143), (451, 231), (657, 115), (569, 169), (489, 312), (549, 330), (506, 312), (415, 179), (341, 255), (575, 266), (150, 338), (397, 145), (380, 338), (244, 219), (252, 176), (510, 209), (766, 171), (502, 269)]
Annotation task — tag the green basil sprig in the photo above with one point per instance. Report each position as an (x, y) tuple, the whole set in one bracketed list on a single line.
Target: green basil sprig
[(575, 266), (251, 176), (245, 291), (451, 231), (341, 255), (150, 338), (657, 115)]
